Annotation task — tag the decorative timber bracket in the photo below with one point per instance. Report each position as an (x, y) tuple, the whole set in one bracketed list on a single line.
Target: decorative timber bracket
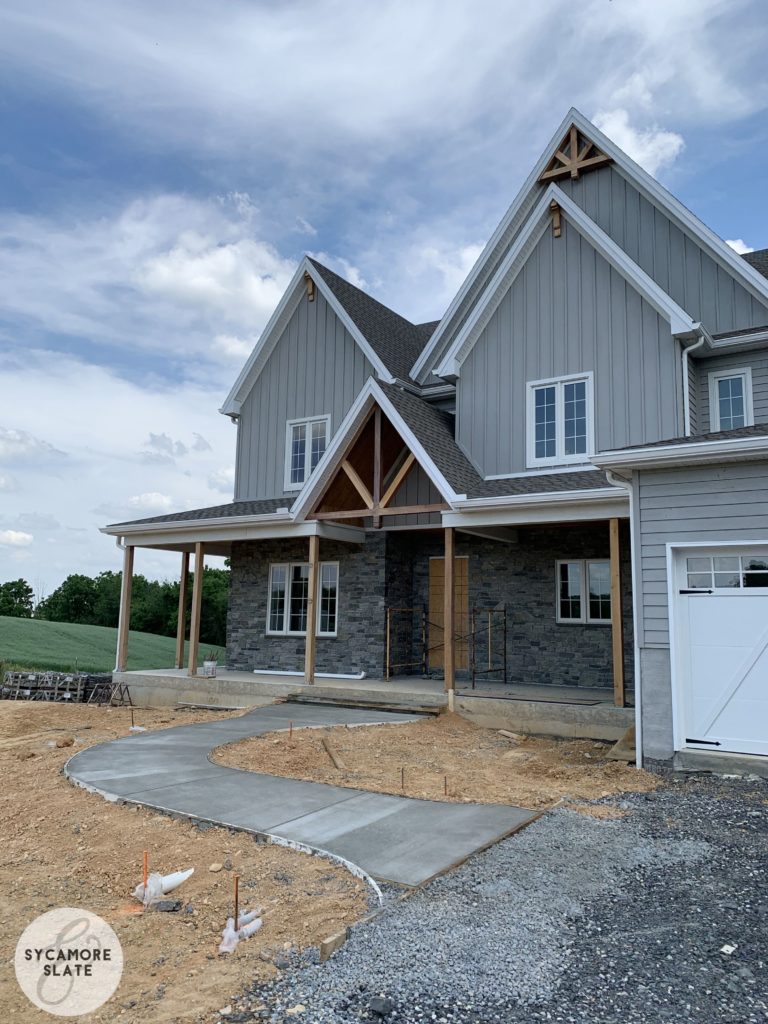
[(575, 155)]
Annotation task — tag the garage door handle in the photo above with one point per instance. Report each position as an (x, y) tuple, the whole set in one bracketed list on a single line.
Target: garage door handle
[(707, 743), (698, 590)]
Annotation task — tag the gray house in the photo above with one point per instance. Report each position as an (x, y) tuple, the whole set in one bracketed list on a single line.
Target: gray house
[(569, 470)]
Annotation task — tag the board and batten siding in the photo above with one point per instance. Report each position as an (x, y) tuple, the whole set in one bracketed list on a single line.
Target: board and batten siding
[(315, 369), (567, 312), (417, 489), (667, 254), (701, 503), (757, 363)]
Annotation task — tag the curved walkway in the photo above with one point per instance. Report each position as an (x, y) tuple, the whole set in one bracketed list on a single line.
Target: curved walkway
[(394, 839)]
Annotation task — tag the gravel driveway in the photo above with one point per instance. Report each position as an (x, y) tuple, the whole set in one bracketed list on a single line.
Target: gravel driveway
[(575, 919)]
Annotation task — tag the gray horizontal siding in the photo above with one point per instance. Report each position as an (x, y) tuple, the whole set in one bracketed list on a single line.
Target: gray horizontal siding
[(569, 311), (675, 261), (706, 503), (316, 368), (756, 361)]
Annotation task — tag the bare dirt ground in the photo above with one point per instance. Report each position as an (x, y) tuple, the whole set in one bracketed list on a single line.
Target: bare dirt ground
[(64, 847), (446, 758)]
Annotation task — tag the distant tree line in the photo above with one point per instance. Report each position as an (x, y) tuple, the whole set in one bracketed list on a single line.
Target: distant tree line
[(95, 601)]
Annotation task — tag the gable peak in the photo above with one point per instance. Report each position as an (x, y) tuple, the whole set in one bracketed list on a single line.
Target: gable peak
[(575, 155)]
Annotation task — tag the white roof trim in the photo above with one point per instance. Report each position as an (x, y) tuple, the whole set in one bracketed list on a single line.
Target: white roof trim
[(327, 466), (648, 186), (123, 529), (541, 498), (659, 456), (680, 322), (277, 324)]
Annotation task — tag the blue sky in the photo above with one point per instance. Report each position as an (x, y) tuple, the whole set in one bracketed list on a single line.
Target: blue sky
[(164, 166)]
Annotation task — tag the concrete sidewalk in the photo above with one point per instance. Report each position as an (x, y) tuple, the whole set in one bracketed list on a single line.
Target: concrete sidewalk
[(392, 838)]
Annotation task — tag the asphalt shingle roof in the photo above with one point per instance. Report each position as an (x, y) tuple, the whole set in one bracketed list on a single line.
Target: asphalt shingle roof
[(435, 431), (395, 340), (758, 259), (234, 508), (758, 430)]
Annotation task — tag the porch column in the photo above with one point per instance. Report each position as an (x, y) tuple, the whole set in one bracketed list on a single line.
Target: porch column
[(617, 619), (181, 624), (311, 641), (124, 620), (449, 637), (197, 603)]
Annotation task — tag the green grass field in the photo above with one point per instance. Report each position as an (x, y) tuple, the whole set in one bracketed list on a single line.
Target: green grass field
[(67, 647)]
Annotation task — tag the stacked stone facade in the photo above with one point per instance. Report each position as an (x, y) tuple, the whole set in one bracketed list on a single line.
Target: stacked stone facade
[(391, 569)]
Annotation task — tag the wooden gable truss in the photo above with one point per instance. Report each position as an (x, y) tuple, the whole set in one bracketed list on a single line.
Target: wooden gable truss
[(575, 155), (368, 477)]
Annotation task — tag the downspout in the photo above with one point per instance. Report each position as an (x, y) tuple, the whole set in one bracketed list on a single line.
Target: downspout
[(626, 484), (687, 349)]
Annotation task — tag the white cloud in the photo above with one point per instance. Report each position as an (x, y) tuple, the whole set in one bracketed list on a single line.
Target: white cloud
[(151, 501), (15, 538), (7, 482), (653, 148), (17, 445), (235, 349), (199, 444), (739, 245), (304, 227), (341, 266), (223, 480)]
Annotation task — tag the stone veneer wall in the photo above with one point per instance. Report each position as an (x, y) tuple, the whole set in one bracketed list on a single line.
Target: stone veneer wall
[(392, 569)]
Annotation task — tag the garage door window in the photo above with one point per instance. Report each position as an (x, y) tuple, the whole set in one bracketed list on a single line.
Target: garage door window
[(738, 571)]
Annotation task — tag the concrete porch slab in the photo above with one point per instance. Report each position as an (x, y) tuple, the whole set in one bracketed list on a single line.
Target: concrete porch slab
[(395, 839)]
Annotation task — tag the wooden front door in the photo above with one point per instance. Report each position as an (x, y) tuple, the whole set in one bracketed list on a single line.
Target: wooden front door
[(461, 601)]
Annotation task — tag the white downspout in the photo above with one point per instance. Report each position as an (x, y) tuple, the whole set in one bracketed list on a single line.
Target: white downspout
[(687, 349), (625, 484)]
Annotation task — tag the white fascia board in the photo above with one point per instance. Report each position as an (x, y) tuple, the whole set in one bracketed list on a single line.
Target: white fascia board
[(263, 347), (504, 225), (727, 450), (276, 325), (370, 395), (680, 322), (687, 221), (222, 531), (604, 505)]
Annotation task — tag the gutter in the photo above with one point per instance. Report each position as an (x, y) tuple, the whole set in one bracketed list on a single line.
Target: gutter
[(697, 451), (625, 484), (687, 349), (541, 498)]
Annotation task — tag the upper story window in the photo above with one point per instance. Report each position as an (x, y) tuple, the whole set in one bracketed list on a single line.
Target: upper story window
[(306, 441), (560, 420), (730, 399)]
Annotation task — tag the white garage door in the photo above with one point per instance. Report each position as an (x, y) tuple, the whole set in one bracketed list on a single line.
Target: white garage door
[(723, 630)]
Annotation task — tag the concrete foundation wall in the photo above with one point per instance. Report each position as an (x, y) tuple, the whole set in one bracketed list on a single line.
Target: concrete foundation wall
[(597, 722), (655, 671)]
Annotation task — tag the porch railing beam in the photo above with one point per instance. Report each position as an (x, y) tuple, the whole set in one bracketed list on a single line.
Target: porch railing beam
[(197, 605), (617, 618), (124, 620), (181, 623)]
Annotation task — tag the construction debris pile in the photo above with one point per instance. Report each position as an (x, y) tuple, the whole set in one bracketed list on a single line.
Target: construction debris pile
[(65, 687)]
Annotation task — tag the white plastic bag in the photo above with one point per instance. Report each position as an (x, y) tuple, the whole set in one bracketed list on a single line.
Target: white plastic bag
[(229, 937)]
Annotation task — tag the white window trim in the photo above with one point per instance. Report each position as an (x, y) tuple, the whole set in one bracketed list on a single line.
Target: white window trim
[(288, 485), (286, 631), (559, 459), (584, 618), (745, 372)]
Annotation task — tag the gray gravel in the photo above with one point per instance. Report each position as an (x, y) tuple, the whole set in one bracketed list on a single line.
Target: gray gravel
[(574, 919)]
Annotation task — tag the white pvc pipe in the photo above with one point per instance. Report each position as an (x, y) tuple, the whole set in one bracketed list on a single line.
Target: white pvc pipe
[(318, 675)]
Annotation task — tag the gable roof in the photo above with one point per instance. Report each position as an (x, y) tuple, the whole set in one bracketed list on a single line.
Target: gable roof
[(233, 509), (396, 340), (744, 270), (680, 322), (278, 322)]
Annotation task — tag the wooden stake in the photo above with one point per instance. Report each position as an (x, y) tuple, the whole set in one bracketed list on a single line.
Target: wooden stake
[(445, 785), (290, 730), (237, 899), (402, 779), (337, 761), (146, 870)]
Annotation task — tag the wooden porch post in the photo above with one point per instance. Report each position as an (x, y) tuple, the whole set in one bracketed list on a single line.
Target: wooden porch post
[(617, 620), (124, 620), (181, 624), (449, 632), (309, 651), (197, 604)]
